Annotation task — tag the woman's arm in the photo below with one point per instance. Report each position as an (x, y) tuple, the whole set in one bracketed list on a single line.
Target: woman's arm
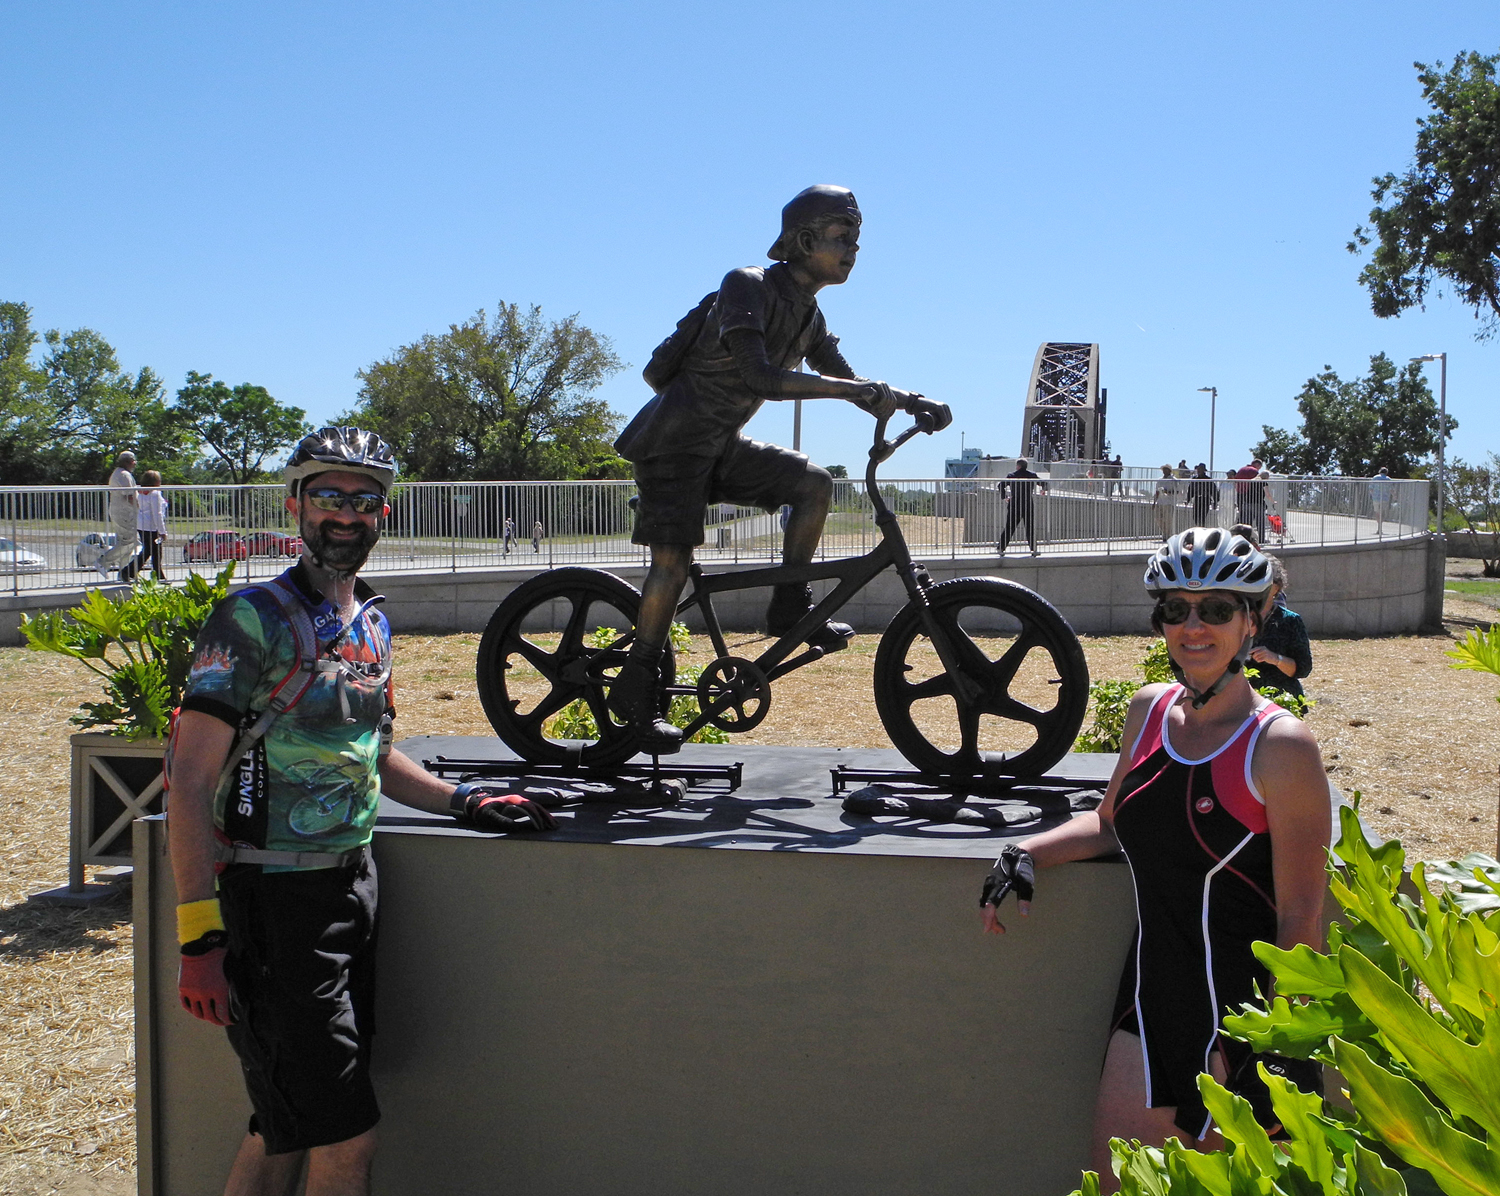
[(1288, 771), (1091, 835)]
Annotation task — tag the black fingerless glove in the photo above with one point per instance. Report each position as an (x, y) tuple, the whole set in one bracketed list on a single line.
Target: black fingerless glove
[(489, 808), (1015, 869)]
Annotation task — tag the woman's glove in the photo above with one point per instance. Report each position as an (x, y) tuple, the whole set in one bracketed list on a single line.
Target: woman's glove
[(1304, 1074), (491, 809), (1015, 869)]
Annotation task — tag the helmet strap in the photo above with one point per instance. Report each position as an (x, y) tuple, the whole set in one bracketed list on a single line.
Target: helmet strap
[(1202, 697)]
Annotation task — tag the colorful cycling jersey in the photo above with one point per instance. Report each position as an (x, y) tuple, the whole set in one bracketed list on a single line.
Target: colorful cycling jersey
[(312, 783)]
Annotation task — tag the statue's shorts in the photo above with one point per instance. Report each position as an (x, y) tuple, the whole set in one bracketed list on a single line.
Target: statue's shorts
[(675, 489), (301, 970)]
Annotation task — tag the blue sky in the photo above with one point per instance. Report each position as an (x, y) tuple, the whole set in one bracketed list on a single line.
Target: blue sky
[(281, 194)]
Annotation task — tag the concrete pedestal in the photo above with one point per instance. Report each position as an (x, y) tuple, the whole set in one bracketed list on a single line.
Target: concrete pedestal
[(813, 1010)]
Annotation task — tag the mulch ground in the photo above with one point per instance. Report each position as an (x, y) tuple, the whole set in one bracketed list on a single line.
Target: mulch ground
[(1415, 737)]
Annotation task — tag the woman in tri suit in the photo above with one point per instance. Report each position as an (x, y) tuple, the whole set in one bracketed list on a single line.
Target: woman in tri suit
[(1220, 804)]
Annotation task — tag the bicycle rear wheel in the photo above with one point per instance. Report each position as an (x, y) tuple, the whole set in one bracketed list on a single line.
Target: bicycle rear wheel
[(545, 690), (1025, 685)]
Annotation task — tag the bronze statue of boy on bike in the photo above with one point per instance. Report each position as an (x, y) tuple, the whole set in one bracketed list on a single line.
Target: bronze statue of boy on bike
[(739, 347)]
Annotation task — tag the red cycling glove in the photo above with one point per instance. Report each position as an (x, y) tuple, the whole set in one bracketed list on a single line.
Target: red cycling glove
[(200, 978), (491, 810)]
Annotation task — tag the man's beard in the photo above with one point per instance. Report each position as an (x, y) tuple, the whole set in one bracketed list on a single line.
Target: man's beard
[(339, 556)]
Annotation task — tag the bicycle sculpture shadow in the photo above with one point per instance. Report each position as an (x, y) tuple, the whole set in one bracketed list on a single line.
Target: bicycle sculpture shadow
[(944, 669)]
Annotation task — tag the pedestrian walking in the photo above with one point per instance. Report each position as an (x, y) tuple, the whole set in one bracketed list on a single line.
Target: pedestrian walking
[(1019, 490)]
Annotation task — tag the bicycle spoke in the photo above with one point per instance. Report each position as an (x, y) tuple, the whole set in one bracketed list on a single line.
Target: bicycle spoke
[(556, 699), (1003, 671), (572, 636), (938, 686), (535, 655)]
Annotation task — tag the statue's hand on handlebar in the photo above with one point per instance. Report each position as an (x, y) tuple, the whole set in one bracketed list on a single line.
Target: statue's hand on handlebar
[(931, 416), (880, 400)]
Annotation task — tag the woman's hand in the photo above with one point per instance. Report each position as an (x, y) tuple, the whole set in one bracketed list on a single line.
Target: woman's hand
[(1264, 655), (1015, 869)]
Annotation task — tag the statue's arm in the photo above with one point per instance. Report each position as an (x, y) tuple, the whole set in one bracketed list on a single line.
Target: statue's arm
[(748, 348)]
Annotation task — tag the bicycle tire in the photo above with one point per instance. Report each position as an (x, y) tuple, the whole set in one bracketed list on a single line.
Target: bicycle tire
[(1039, 626), (573, 669)]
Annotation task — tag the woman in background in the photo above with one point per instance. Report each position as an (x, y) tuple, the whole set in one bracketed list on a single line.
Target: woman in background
[(151, 524)]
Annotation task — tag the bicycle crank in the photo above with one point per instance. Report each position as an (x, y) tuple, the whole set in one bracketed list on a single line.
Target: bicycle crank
[(734, 694)]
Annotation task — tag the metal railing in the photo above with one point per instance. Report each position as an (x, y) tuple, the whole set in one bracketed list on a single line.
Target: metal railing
[(58, 534)]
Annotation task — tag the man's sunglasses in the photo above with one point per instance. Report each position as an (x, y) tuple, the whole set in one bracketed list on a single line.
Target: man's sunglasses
[(1217, 611), (335, 500)]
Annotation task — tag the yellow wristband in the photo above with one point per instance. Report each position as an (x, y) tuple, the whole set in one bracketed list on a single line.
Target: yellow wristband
[(197, 918)]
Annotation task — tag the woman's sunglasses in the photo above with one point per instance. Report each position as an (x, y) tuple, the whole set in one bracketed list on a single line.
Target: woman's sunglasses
[(335, 500), (1217, 611)]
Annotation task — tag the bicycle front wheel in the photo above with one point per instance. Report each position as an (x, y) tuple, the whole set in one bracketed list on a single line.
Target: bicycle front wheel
[(1023, 688), (547, 660)]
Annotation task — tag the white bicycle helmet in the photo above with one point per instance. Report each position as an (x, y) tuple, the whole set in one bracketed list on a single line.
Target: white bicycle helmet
[(350, 450), (1208, 558)]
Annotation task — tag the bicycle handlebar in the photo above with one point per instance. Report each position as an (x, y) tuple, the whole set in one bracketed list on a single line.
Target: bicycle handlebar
[(882, 450)]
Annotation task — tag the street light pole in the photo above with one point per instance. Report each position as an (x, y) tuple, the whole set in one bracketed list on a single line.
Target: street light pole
[(1442, 429), (1213, 410)]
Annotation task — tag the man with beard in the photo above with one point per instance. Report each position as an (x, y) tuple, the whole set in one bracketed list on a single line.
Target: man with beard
[(276, 768)]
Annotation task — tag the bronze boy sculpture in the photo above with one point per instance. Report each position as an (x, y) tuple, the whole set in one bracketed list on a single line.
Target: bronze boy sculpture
[(740, 346)]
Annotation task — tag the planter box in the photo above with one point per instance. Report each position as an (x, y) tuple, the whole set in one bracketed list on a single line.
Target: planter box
[(115, 781)]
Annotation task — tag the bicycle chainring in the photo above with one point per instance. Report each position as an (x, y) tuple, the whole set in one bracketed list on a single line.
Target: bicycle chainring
[(737, 691)]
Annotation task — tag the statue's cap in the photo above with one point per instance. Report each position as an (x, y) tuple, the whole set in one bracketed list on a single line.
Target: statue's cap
[(822, 199)]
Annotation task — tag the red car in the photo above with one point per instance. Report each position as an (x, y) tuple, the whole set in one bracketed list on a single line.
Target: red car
[(273, 544), (215, 546)]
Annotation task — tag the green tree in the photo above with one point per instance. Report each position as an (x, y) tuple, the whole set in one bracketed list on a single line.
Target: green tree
[(241, 426), (1440, 220), (25, 426), (838, 471), (98, 409), (1388, 417), (510, 397)]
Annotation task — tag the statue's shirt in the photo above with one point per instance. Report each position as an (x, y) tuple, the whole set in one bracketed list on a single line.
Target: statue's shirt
[(707, 404)]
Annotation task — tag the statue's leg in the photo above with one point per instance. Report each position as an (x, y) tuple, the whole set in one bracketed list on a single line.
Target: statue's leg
[(804, 526), (661, 591), (634, 695), (810, 500)]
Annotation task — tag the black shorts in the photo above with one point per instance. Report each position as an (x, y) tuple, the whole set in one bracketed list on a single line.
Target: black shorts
[(675, 489), (301, 969)]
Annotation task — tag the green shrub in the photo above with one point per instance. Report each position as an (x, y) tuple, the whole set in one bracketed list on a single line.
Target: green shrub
[(140, 644), (1110, 701), (1404, 1004)]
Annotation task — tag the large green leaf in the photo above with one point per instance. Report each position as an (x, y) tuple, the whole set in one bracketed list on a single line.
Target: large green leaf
[(1301, 972), (1372, 1177), (1299, 1030), (1142, 1170), (1466, 1078), (1409, 1123), (1236, 1122), (1308, 1144)]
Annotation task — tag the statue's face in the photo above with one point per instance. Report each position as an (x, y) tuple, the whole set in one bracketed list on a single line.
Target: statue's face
[(831, 255)]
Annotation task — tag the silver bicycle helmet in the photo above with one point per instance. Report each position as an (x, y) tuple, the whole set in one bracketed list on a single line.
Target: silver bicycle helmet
[(1208, 558), (350, 450)]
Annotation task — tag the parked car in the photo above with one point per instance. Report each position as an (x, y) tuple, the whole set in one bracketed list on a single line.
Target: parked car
[(92, 547), (15, 559), (215, 546), (273, 544)]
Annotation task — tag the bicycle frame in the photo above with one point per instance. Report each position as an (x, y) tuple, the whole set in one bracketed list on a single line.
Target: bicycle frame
[(852, 574)]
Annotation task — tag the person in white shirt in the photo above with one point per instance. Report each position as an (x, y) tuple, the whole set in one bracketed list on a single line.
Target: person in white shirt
[(1164, 502), (123, 506), (151, 523)]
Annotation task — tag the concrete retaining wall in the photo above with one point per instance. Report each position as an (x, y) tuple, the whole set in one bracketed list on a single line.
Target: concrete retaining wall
[(1384, 588)]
